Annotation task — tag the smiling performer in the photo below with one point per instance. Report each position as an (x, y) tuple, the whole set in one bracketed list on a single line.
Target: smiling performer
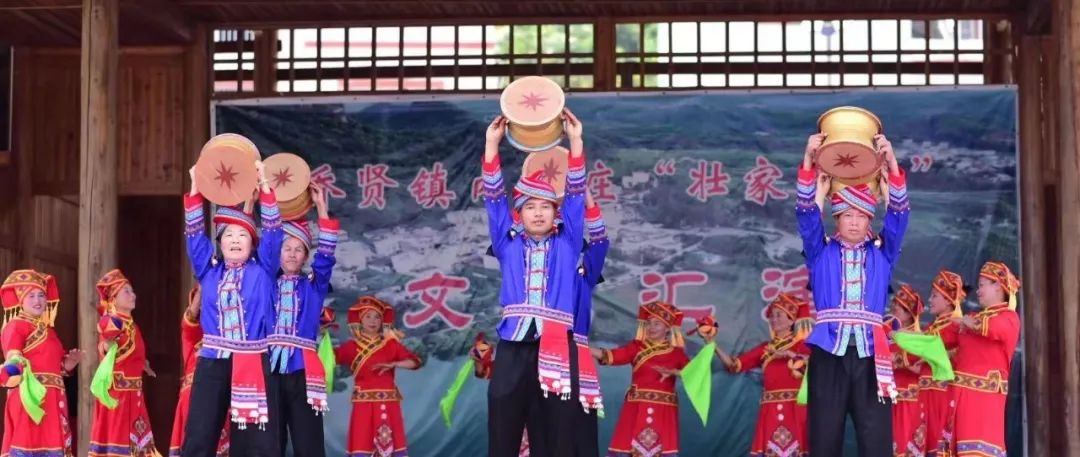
[(373, 354), (649, 421), (781, 422), (237, 310), (121, 426), (531, 372), (850, 370)]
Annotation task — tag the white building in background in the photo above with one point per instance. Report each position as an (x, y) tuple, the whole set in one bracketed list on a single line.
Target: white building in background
[(861, 40)]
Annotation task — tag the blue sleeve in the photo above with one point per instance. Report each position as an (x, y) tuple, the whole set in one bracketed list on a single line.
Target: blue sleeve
[(498, 210), (272, 236), (200, 249), (896, 217), (573, 207), (811, 228), (323, 263)]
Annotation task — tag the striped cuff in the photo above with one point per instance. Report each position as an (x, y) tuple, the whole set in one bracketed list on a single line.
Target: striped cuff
[(898, 196), (806, 188), (594, 222), (271, 216), (575, 174), (328, 235), (193, 214), (494, 187)]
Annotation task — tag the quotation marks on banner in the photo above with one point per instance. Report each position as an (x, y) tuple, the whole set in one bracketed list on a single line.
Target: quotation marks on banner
[(433, 291), (665, 287), (921, 163), (664, 167)]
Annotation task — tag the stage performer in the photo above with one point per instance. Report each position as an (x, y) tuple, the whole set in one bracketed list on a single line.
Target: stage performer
[(121, 428), (190, 343), (584, 429), (909, 426), (850, 370), (987, 342), (946, 295), (237, 310), (781, 422), (649, 421), (376, 428), (35, 413), (294, 362), (532, 372)]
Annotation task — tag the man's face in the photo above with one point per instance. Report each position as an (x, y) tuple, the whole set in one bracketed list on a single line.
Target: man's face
[(853, 226), (538, 217)]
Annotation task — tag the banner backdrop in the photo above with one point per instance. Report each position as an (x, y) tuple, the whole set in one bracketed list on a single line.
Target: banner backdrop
[(698, 195)]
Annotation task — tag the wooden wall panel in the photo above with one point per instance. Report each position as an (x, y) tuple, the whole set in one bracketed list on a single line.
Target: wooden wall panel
[(151, 108), (149, 255), (46, 118), (150, 124)]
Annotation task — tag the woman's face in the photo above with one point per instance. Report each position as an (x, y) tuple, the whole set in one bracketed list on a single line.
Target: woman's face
[(371, 322), (656, 329), (34, 303), (125, 299)]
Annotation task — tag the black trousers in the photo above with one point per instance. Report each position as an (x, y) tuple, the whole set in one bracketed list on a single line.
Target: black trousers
[(839, 386), (296, 420), (584, 429), (516, 403), (210, 392)]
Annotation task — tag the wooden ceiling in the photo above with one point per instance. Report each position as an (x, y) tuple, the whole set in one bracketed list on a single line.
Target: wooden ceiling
[(143, 22)]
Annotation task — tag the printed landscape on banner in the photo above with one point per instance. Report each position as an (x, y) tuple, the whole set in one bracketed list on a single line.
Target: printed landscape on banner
[(698, 197)]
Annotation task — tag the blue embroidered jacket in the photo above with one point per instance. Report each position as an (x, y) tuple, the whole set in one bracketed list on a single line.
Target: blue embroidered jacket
[(299, 303), (246, 327), (590, 273), (850, 283), (561, 259)]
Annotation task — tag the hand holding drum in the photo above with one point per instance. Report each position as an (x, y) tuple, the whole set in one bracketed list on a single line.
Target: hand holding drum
[(850, 147), (227, 172)]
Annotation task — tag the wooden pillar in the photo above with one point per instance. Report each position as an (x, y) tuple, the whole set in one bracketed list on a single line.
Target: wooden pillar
[(604, 54), (1033, 248), (197, 85), (97, 184), (265, 61), (1067, 33)]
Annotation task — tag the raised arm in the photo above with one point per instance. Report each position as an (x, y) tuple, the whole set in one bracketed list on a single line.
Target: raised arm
[(272, 236), (898, 211), (619, 356), (498, 209), (573, 207), (200, 249), (596, 252), (807, 211)]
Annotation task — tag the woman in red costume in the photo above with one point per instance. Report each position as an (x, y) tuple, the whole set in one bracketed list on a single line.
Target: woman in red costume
[(122, 428), (649, 421), (376, 428), (190, 341), (987, 342), (35, 413), (909, 430), (781, 423), (947, 293)]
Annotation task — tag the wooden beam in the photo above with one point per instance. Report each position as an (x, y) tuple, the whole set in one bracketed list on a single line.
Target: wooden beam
[(604, 54), (1067, 32), (265, 62), (163, 16), (98, 183), (24, 155), (1033, 249)]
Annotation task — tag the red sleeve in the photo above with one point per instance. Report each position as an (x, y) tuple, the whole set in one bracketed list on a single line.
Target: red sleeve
[(681, 359), (950, 335), (110, 327), (748, 360), (400, 353), (1002, 327), (621, 355), (13, 339), (190, 335), (345, 353)]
